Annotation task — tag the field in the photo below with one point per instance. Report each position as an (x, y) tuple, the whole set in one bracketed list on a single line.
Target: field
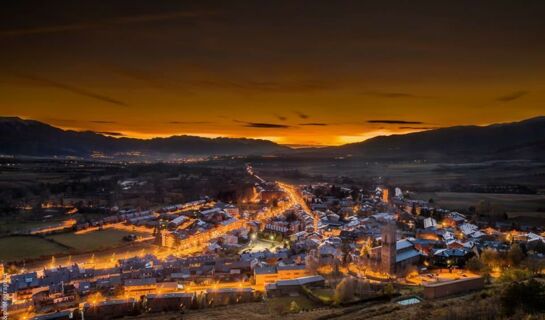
[(13, 248), (411, 175), (282, 304), (95, 240), (527, 205), (431, 309), (257, 310)]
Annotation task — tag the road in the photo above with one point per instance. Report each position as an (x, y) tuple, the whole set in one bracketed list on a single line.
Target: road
[(296, 198)]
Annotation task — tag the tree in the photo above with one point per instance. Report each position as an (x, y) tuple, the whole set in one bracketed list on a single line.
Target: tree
[(483, 207), (534, 265), (526, 296), (389, 289), (294, 307), (311, 261), (515, 255), (490, 257), (345, 290), (475, 265)]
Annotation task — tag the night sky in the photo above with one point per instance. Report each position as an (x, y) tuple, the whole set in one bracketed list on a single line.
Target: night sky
[(299, 73)]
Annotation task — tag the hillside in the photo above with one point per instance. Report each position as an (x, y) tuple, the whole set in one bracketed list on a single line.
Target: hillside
[(33, 138), (517, 140)]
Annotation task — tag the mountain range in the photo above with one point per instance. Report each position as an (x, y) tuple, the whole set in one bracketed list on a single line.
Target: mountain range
[(516, 140), (33, 138)]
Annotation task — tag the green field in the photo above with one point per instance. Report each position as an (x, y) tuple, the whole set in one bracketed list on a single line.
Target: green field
[(281, 305), (28, 247), (91, 241), (409, 175), (15, 248), (515, 204)]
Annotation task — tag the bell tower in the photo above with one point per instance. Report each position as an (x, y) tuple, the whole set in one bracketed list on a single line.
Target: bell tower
[(388, 250)]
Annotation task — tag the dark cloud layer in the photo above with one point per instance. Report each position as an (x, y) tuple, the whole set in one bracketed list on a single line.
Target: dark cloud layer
[(72, 89), (317, 124), (301, 114), (512, 96), (266, 125), (144, 18), (263, 125)]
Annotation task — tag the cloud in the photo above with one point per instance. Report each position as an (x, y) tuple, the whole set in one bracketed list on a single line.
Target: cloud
[(513, 96), (301, 115), (73, 89), (266, 125), (395, 122), (318, 124), (280, 117), (103, 23), (392, 95), (263, 125)]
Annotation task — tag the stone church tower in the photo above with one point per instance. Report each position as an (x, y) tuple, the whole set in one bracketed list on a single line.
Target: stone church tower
[(388, 250)]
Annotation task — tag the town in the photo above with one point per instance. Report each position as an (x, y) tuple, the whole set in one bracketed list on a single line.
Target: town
[(333, 244)]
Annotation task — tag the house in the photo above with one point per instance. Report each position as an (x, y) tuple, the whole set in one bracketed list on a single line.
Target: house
[(110, 309), (270, 274), (138, 287), (226, 296), (23, 281), (430, 223), (61, 315), (406, 256), (442, 289), (293, 286), (451, 257), (176, 301)]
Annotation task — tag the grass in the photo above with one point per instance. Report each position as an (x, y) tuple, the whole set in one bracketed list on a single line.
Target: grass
[(282, 304), (91, 241), (27, 247)]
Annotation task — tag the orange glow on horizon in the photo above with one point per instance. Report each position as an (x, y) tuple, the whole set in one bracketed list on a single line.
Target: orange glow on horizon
[(295, 141)]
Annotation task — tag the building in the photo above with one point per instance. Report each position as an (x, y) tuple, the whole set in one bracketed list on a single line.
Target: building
[(61, 315), (135, 288), (176, 301), (110, 309), (388, 250), (271, 274), (294, 286), (443, 289), (392, 258), (385, 195), (226, 296)]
